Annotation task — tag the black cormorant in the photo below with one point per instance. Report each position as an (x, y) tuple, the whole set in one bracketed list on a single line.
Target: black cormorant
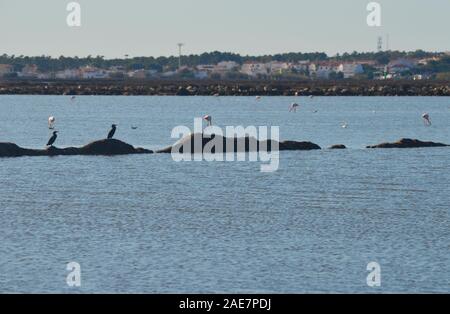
[(113, 130), (53, 138)]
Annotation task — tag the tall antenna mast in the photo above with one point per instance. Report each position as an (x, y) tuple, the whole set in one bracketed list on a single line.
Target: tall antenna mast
[(380, 44), (180, 46), (387, 42)]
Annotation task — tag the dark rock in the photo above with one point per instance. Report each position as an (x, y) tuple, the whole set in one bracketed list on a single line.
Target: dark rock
[(408, 143), (12, 150), (293, 145), (183, 92), (111, 147), (102, 147), (198, 141), (338, 146)]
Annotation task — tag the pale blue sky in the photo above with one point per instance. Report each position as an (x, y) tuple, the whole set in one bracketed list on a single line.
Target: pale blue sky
[(153, 27)]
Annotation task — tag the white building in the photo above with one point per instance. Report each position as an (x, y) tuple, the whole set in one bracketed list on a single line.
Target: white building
[(276, 67), (323, 69), (138, 74), (117, 68), (208, 68), (93, 73), (301, 66), (225, 67), (254, 69), (350, 69), (401, 65), (29, 71), (68, 74)]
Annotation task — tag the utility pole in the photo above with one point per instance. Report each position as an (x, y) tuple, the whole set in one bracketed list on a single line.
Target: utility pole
[(180, 46)]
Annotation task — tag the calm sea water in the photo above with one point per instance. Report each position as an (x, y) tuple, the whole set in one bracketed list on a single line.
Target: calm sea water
[(145, 223)]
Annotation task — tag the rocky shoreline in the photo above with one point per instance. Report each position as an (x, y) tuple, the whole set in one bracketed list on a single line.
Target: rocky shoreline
[(113, 147), (227, 88)]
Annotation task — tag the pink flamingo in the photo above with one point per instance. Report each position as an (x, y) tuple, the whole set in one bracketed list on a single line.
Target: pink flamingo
[(293, 107), (208, 119)]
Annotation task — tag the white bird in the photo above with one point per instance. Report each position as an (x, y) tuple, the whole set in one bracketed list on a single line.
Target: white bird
[(258, 97), (208, 119), (51, 122), (311, 96), (293, 107), (426, 119), (344, 125)]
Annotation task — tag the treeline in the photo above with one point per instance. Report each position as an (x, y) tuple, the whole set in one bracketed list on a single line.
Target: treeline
[(49, 64)]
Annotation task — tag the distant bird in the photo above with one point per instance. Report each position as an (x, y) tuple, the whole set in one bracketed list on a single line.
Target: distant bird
[(52, 139), (51, 122), (112, 131), (216, 95), (296, 93), (311, 96), (344, 125), (134, 127), (72, 98), (208, 119), (258, 97), (293, 107), (426, 119)]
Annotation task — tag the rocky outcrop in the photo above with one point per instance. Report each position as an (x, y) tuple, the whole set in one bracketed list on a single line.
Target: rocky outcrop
[(198, 143), (294, 145), (108, 147), (337, 146), (408, 143)]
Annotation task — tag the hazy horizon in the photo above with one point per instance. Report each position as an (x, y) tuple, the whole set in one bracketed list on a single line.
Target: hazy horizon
[(144, 28)]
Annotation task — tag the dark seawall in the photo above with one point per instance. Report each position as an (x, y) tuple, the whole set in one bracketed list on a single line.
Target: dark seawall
[(227, 88)]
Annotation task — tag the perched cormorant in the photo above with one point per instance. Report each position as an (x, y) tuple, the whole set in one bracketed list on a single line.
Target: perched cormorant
[(53, 138), (113, 130)]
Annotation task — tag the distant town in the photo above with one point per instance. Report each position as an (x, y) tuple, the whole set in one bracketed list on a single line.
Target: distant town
[(387, 65)]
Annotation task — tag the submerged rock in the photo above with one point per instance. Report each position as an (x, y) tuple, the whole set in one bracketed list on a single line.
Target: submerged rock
[(198, 143), (107, 147), (408, 143), (338, 146)]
